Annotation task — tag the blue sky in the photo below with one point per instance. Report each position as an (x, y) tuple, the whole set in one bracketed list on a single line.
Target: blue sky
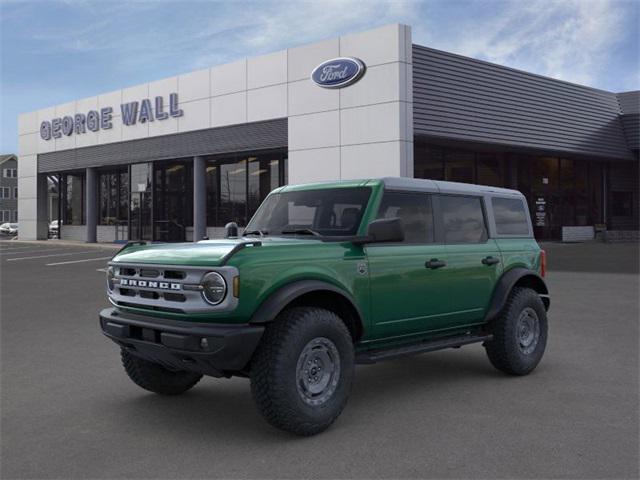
[(57, 51)]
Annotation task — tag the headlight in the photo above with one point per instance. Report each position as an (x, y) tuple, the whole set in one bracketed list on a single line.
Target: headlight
[(111, 272), (214, 288)]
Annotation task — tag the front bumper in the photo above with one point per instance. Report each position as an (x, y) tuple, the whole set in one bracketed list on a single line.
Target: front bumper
[(179, 345)]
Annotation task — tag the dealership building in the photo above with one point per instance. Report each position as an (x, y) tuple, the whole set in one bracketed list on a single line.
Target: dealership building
[(178, 158)]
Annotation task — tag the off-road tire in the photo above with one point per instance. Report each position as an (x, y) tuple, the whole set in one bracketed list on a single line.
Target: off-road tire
[(504, 350), (156, 378), (275, 383)]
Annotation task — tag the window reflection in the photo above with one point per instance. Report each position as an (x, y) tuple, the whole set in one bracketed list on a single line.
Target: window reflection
[(113, 197), (73, 199), (237, 184)]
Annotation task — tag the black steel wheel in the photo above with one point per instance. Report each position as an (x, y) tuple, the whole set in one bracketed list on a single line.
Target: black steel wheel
[(302, 371), (519, 333)]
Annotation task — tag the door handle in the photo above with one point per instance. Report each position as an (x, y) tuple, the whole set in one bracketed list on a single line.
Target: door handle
[(490, 260), (435, 263)]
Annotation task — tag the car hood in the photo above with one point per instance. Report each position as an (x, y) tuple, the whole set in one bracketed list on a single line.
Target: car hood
[(203, 253)]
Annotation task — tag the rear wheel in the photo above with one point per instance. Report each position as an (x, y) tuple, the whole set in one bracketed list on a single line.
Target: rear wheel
[(156, 378), (302, 370), (519, 333)]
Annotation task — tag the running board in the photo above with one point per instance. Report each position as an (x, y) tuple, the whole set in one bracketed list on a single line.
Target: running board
[(373, 356)]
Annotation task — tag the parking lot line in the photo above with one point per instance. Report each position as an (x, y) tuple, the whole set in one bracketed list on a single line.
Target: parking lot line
[(16, 249), (77, 261), (51, 255), (22, 251)]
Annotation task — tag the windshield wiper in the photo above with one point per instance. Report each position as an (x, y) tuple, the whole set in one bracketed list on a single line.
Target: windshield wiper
[(301, 231), (260, 232)]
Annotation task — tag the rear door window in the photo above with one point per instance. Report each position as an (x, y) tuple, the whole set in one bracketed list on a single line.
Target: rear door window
[(510, 216), (463, 219), (414, 209)]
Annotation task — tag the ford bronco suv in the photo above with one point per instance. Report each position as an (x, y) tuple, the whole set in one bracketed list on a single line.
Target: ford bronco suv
[(326, 276)]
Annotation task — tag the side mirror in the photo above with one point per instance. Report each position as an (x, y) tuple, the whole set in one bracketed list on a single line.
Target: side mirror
[(231, 230), (385, 230)]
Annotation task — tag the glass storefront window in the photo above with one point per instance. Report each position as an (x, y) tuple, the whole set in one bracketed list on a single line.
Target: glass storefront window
[(237, 185), (559, 191), (428, 162), (460, 167), (490, 169), (73, 199), (113, 198), (173, 200)]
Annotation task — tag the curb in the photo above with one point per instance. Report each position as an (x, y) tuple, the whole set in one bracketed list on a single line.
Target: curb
[(66, 243)]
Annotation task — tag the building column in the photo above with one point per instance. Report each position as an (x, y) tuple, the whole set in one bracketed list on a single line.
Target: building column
[(42, 214), (199, 198), (91, 207)]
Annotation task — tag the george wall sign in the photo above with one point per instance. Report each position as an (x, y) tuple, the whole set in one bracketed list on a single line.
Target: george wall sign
[(94, 120), (338, 72)]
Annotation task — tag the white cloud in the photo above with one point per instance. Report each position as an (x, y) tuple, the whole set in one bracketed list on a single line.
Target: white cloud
[(569, 40)]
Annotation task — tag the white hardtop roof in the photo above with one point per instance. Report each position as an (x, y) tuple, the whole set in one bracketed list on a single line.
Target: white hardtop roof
[(419, 184)]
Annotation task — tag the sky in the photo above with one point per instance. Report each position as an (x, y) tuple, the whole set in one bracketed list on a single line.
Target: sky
[(55, 51)]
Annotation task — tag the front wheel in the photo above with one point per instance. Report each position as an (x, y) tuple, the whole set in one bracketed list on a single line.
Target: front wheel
[(302, 371), (519, 333)]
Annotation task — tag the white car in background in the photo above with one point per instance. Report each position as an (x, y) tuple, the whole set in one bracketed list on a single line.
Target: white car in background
[(9, 229), (54, 229)]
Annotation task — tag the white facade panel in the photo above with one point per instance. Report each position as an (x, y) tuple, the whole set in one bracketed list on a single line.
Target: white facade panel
[(303, 59), (27, 187), (194, 85), (131, 132), (162, 88), (267, 70), (315, 130), (229, 78), (65, 142), (28, 206), (267, 103), (196, 116), (27, 166), (87, 139), (113, 134), (370, 124), (46, 145), (382, 85), (87, 104), (28, 123), (28, 144), (111, 99), (131, 94), (167, 126), (316, 165), (371, 160), (306, 97), (374, 47), (229, 109)]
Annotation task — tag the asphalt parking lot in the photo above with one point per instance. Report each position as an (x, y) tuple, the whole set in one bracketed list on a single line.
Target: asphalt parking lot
[(69, 411)]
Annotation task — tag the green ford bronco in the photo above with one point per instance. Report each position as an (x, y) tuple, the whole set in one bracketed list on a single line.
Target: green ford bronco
[(328, 275)]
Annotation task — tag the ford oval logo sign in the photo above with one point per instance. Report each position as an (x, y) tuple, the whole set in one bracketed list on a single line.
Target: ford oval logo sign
[(338, 73)]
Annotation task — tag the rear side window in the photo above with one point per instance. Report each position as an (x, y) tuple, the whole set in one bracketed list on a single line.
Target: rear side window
[(414, 209), (463, 219), (510, 216)]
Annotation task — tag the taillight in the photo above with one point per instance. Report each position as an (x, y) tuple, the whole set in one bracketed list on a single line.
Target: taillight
[(543, 263)]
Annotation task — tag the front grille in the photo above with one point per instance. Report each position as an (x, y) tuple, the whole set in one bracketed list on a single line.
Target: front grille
[(161, 288)]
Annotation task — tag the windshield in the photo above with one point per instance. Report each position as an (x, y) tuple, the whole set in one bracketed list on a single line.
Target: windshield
[(326, 212)]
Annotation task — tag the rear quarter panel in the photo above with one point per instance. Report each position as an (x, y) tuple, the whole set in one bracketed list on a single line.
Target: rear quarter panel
[(519, 252)]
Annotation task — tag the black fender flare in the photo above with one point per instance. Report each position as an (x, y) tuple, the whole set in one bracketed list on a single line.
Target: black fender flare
[(506, 283), (278, 300)]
